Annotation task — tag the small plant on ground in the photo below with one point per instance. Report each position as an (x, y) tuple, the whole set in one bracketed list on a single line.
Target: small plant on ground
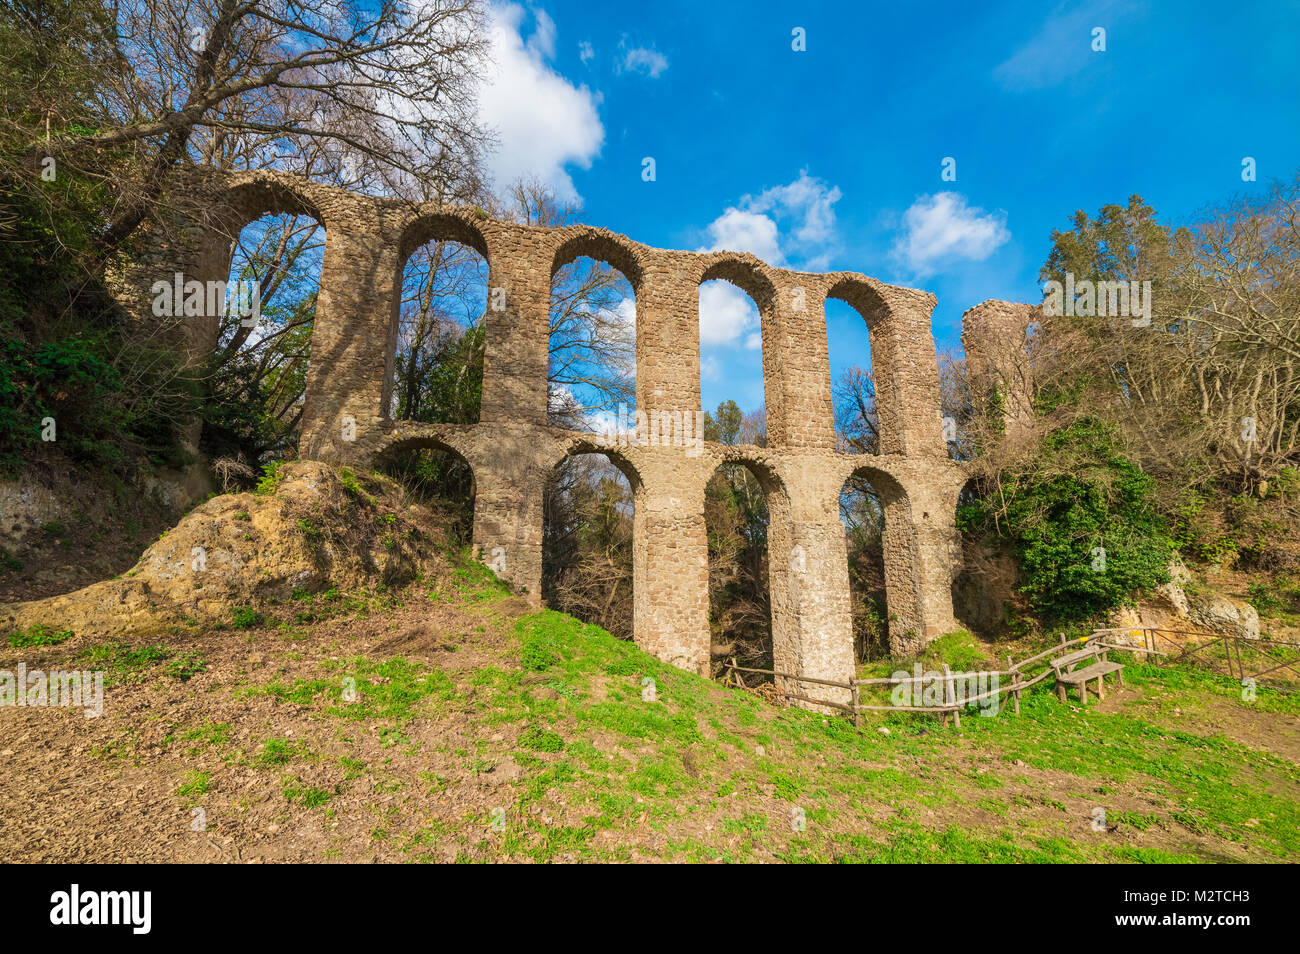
[(187, 665), (244, 617), (196, 783), (540, 740), (39, 635), (272, 475), (351, 486), (276, 752), (536, 656), (308, 795)]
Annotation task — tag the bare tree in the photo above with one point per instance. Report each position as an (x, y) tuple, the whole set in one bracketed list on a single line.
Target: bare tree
[(592, 365), (1209, 391), (856, 423), (299, 84), (588, 543), (444, 295)]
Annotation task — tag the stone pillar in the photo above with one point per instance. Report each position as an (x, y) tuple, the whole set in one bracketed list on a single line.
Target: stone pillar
[(994, 335), (172, 242), (344, 416), (812, 621), (670, 578), (804, 369), (517, 343), (906, 375), (511, 468), (921, 550), (668, 338), (775, 356)]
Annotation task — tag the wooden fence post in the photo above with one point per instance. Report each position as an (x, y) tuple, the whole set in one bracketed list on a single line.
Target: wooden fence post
[(1015, 681), (950, 695)]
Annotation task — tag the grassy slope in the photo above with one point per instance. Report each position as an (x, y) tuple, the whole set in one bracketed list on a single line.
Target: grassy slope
[(482, 731), (919, 793)]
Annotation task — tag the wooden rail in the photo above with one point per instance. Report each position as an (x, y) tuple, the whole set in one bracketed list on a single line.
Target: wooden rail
[(1233, 657), (1013, 680), (951, 705)]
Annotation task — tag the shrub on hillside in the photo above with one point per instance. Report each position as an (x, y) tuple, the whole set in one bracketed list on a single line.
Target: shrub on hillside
[(1082, 521)]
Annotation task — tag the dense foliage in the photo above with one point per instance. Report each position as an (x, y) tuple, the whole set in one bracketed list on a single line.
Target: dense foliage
[(1082, 522)]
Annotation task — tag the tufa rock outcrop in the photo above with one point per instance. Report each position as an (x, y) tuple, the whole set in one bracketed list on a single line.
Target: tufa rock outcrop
[(313, 528)]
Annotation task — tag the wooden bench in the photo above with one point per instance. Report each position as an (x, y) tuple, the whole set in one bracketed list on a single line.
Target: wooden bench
[(1069, 673)]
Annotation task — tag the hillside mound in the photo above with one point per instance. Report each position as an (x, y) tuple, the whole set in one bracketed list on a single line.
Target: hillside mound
[(306, 529)]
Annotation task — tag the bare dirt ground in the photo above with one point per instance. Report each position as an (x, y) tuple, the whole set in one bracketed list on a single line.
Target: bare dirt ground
[(106, 789)]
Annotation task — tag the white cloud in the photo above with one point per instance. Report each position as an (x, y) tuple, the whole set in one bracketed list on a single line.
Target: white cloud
[(626, 312), (542, 41), (737, 230), (1061, 47), (809, 202), (585, 51), (727, 314), (602, 422), (641, 59), (559, 397), (804, 209), (543, 122), (710, 370), (794, 221), (943, 227)]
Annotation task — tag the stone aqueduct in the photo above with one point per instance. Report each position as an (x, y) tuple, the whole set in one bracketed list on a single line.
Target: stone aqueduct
[(513, 452)]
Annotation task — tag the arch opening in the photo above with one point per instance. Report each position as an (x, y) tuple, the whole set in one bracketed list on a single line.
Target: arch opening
[(738, 502), (733, 360), (249, 201), (985, 574), (595, 245), (434, 354), (864, 498), (259, 339), (591, 341), (437, 476), (588, 539), (853, 388)]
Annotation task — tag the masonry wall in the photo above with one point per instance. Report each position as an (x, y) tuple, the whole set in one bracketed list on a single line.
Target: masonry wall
[(513, 452), (995, 337)]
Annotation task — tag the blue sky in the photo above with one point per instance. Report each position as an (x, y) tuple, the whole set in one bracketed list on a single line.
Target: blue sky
[(831, 157)]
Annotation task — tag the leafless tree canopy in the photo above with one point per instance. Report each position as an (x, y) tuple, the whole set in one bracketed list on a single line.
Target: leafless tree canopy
[(588, 543), (378, 94), (592, 366), (1209, 392)]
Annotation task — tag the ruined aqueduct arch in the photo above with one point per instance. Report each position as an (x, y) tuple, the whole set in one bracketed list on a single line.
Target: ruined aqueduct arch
[(512, 451)]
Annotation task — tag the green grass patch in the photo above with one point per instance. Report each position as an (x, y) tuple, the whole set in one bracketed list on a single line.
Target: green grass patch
[(195, 784), (309, 796), (244, 617), (541, 740), (39, 635)]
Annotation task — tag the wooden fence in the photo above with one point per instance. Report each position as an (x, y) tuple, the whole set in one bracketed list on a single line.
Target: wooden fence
[(1011, 682), (1014, 680), (1274, 662)]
